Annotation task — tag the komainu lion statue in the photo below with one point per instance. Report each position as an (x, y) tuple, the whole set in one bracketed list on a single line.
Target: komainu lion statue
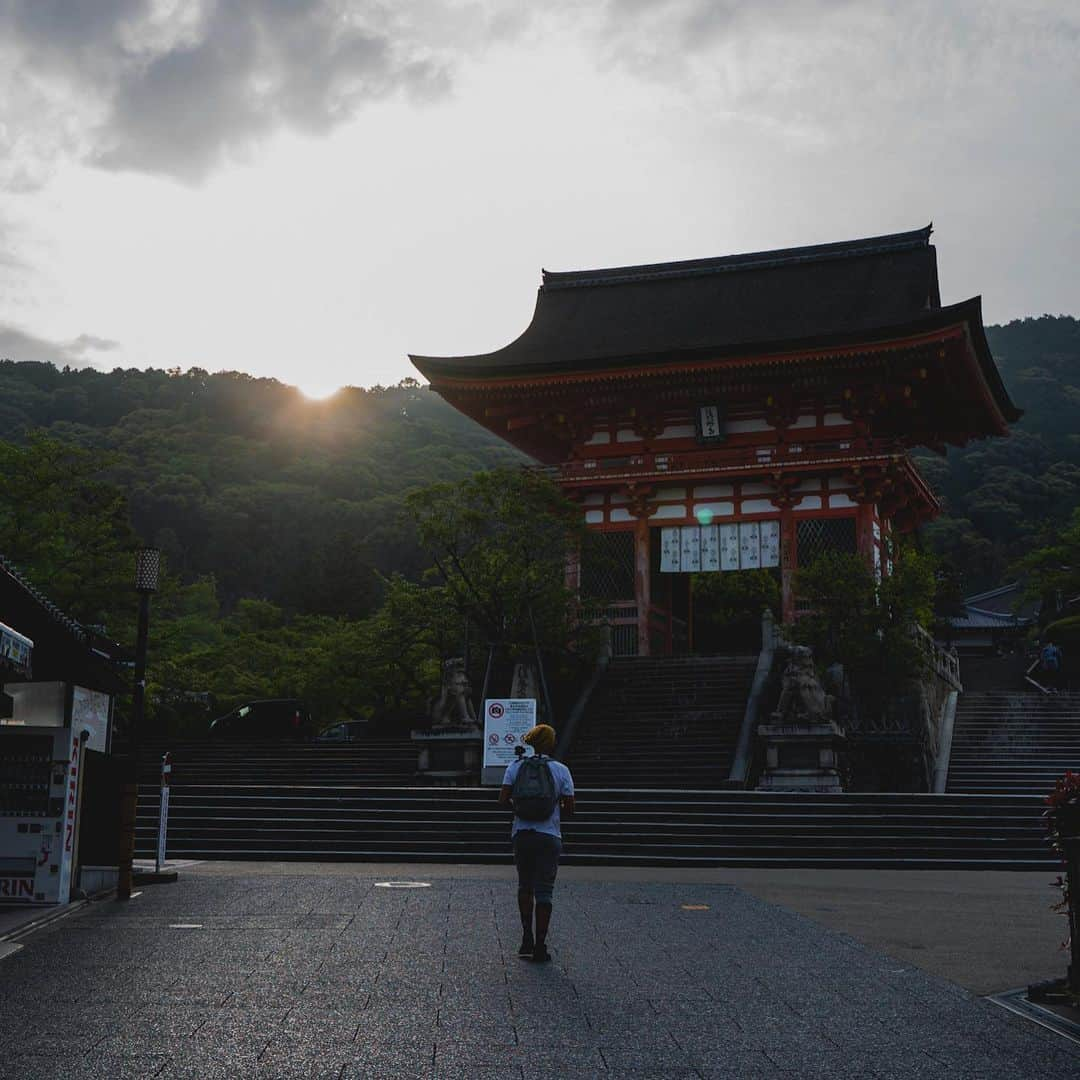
[(803, 699), (453, 707)]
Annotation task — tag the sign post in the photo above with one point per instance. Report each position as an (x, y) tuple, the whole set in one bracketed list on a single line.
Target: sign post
[(505, 722), (163, 816)]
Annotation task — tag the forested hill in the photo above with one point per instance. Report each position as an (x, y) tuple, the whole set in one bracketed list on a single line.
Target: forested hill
[(277, 496), (1002, 497), (295, 501)]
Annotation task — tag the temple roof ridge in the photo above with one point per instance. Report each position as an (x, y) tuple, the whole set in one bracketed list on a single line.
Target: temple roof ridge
[(755, 260)]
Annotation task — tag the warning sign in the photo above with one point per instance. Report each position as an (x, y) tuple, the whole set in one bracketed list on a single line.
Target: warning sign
[(505, 721)]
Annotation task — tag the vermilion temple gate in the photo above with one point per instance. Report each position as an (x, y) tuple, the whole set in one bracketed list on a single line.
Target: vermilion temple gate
[(741, 412)]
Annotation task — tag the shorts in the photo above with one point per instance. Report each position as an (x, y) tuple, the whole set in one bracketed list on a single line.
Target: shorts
[(536, 856)]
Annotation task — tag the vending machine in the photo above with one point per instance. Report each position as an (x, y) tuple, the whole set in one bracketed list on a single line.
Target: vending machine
[(40, 792)]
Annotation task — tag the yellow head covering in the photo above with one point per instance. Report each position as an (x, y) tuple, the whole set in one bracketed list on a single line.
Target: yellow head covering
[(541, 738)]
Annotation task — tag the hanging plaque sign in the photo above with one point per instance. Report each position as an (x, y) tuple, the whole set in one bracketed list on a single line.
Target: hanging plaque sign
[(710, 423)]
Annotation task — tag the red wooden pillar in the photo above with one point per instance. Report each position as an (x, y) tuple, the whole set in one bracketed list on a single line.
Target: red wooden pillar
[(788, 563), (642, 576), (864, 531)]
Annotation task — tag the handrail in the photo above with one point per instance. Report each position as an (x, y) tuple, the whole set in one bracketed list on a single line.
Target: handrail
[(744, 750), (945, 738), (1034, 682), (944, 662)]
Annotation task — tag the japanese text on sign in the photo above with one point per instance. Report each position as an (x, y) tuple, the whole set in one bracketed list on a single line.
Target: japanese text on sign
[(505, 722)]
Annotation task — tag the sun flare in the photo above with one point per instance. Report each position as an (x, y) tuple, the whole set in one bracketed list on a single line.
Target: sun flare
[(318, 391)]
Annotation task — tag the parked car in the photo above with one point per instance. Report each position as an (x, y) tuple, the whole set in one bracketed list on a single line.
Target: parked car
[(276, 718), (347, 731)]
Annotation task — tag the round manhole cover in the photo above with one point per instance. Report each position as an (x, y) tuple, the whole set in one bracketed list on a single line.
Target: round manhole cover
[(402, 884)]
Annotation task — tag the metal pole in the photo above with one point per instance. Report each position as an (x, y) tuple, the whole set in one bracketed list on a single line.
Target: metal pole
[(163, 812), (487, 674), (129, 809)]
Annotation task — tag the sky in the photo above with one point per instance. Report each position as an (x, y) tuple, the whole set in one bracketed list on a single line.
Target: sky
[(312, 189)]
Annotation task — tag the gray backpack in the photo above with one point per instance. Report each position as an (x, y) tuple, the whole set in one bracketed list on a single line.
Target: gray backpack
[(534, 793)]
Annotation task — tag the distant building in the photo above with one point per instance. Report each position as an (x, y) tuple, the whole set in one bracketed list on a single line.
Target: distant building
[(994, 619)]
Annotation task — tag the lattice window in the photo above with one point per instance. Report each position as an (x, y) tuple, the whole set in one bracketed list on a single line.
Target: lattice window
[(607, 566), (816, 536)]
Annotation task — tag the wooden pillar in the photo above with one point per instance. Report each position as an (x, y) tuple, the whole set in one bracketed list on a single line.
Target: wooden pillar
[(864, 531), (788, 564), (642, 581)]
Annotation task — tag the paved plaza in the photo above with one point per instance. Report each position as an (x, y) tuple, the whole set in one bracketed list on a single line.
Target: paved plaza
[(237, 972)]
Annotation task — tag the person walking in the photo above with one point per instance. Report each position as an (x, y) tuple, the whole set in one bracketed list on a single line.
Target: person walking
[(540, 790)]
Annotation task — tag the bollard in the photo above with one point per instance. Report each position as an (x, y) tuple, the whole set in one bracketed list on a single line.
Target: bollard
[(163, 814)]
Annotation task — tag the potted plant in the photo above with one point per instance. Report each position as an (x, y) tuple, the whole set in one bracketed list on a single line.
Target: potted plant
[(1063, 825)]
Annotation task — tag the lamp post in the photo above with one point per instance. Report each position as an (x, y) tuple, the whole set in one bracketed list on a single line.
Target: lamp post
[(147, 568)]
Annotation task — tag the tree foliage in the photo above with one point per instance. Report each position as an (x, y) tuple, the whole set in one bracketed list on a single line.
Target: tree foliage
[(866, 625), (1004, 497), (500, 541)]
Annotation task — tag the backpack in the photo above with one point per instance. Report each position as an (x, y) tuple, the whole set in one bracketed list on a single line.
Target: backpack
[(534, 793)]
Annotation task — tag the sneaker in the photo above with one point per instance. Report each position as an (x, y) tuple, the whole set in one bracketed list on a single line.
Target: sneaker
[(540, 954), (526, 947)]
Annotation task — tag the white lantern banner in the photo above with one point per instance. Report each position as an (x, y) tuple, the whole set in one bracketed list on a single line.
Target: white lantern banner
[(670, 550), (749, 545)]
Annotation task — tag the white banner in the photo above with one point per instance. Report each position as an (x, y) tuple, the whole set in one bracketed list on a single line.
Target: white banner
[(729, 547), (691, 549), (710, 547), (770, 543), (670, 547), (749, 545), (746, 545), (505, 721)]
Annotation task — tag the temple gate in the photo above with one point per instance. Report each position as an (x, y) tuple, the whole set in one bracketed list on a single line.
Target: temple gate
[(748, 411)]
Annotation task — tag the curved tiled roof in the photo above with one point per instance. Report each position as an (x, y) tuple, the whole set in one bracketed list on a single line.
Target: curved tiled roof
[(587, 318)]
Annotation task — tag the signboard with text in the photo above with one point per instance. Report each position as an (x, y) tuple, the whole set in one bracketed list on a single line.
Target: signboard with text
[(505, 722)]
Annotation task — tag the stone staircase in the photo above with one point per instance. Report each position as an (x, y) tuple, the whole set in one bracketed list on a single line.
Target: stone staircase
[(663, 723), (1013, 742), (643, 828), (376, 761)]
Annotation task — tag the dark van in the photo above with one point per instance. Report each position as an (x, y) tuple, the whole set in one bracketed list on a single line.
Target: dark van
[(275, 718)]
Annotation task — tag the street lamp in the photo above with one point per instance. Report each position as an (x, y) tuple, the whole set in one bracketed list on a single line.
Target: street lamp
[(147, 570)]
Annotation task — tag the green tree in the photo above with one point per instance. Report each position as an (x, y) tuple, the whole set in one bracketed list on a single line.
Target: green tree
[(865, 625), (68, 529), (500, 541)]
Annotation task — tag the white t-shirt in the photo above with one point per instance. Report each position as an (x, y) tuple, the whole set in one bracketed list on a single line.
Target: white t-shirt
[(564, 785)]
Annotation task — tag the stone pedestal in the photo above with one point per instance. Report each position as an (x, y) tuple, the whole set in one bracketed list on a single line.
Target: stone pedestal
[(449, 754), (801, 757), (801, 737)]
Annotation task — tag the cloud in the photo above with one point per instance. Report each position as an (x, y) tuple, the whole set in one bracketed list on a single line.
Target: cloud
[(175, 87), (16, 344), (850, 69)]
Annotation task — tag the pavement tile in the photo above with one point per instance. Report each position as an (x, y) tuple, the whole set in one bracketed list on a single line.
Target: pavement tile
[(389, 986), (96, 1067), (310, 1061), (195, 1062)]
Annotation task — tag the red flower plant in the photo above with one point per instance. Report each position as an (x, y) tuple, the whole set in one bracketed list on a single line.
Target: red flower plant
[(1066, 793)]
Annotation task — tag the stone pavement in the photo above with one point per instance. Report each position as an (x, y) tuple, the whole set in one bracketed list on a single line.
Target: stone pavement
[(320, 975)]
